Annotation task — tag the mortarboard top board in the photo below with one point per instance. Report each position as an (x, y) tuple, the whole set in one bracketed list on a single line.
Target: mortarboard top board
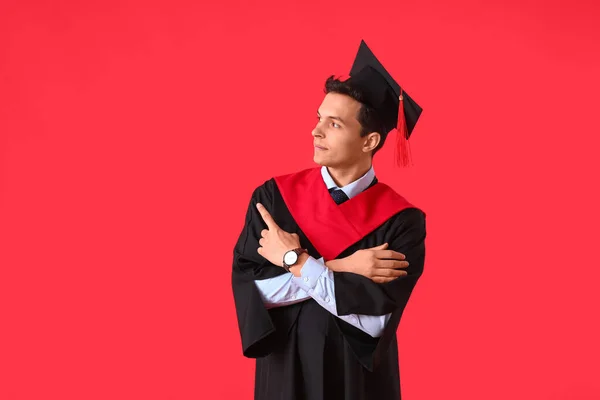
[(398, 110)]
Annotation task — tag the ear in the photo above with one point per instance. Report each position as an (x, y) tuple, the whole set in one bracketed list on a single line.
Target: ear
[(371, 141)]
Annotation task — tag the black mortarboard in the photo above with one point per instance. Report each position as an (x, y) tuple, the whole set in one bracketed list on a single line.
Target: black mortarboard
[(385, 95)]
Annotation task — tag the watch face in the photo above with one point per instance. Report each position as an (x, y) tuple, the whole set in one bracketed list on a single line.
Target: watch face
[(290, 257)]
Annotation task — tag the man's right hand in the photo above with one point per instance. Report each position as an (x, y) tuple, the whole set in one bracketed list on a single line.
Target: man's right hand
[(376, 263)]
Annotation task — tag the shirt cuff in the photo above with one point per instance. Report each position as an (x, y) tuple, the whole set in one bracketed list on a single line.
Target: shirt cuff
[(309, 274)]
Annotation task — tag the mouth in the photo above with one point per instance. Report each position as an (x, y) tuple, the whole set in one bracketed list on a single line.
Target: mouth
[(320, 147)]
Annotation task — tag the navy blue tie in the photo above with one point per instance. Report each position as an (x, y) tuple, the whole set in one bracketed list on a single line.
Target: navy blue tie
[(338, 196)]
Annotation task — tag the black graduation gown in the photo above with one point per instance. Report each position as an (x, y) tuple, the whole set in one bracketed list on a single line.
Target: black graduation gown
[(302, 351)]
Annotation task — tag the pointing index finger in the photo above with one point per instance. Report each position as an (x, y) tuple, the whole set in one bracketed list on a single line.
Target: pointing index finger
[(266, 216)]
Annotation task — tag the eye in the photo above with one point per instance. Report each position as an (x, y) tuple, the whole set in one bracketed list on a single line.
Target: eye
[(336, 125)]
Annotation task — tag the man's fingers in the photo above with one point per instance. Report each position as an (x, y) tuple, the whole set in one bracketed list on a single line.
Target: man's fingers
[(264, 233), (266, 217), (391, 273), (391, 264), (389, 255), (382, 279)]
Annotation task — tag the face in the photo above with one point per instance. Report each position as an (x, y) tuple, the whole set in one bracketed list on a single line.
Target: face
[(337, 139)]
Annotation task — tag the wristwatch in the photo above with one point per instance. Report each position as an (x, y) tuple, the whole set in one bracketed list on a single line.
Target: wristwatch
[(291, 257)]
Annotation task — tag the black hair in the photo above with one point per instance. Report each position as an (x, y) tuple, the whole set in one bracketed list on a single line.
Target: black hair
[(367, 116)]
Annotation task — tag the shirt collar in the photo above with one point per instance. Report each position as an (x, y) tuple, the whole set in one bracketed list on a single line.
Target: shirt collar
[(351, 189)]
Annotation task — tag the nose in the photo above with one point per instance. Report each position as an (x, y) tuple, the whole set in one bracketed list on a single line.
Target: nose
[(316, 132)]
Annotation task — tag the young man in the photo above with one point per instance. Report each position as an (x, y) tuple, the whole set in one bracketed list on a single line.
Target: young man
[(328, 257)]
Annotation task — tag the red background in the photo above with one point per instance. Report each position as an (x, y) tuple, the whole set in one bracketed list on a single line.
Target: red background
[(132, 134)]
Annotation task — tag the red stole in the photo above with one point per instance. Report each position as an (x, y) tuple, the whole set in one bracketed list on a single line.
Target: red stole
[(332, 228)]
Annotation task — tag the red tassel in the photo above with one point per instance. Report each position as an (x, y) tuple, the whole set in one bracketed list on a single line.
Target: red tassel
[(402, 145)]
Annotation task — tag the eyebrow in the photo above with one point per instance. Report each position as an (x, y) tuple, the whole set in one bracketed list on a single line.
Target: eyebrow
[(332, 117)]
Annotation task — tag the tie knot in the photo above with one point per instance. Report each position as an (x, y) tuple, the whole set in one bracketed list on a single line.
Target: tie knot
[(338, 196)]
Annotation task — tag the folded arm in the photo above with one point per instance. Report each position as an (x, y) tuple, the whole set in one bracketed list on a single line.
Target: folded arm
[(356, 294), (315, 281)]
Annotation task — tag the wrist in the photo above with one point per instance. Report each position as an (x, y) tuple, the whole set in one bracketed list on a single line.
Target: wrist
[(334, 265), (296, 268)]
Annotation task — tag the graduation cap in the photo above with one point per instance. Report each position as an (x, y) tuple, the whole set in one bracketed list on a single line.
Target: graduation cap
[(396, 108)]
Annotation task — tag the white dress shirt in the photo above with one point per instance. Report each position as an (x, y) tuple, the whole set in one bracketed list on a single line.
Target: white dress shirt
[(316, 280)]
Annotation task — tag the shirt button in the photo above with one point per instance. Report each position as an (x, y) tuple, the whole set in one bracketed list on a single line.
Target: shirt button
[(327, 299), (306, 279), (293, 296)]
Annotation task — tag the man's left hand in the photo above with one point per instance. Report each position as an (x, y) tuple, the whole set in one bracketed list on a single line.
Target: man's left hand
[(275, 242)]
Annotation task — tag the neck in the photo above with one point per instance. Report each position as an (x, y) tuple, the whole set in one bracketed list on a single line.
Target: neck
[(343, 176)]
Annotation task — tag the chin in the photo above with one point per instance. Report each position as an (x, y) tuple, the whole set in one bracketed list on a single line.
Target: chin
[(320, 161)]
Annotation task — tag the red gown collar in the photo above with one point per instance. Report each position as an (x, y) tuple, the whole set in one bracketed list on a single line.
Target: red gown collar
[(332, 228)]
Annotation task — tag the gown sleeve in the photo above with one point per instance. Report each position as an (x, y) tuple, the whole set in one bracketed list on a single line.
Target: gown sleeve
[(356, 294), (261, 330)]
